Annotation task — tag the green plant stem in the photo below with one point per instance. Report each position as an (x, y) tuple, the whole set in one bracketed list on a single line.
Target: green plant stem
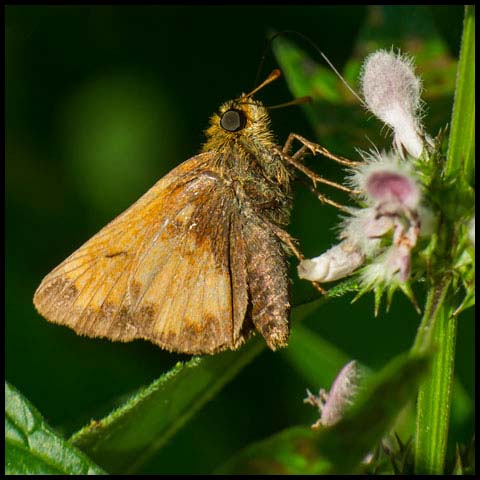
[(438, 328), (461, 147), (425, 333)]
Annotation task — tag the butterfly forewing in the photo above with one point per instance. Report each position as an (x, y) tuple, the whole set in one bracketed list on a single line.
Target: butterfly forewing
[(162, 270)]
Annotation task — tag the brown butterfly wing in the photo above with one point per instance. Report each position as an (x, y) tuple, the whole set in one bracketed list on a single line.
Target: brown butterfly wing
[(171, 269)]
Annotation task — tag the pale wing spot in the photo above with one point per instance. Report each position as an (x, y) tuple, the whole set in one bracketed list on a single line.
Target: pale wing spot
[(152, 255), (171, 285), (127, 305), (218, 303), (193, 307), (155, 256), (184, 216)]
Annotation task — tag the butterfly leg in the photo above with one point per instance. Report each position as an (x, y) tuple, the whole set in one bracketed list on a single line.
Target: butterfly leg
[(324, 199), (314, 149), (290, 242)]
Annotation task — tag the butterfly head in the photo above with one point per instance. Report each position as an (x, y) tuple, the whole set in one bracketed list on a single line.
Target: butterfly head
[(240, 124)]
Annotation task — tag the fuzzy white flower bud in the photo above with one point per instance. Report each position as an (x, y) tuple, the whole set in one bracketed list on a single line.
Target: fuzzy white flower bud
[(337, 262), (392, 93), (345, 388)]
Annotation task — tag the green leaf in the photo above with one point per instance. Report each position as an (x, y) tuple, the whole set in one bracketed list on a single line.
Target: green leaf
[(130, 435), (340, 448), (461, 149), (304, 76), (290, 452), (33, 448)]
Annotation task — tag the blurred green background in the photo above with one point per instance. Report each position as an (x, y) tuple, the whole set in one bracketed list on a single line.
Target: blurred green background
[(101, 101)]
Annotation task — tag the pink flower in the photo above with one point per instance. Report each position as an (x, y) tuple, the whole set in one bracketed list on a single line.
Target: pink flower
[(385, 231)]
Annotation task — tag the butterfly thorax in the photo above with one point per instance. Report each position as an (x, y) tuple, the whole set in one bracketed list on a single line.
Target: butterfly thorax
[(245, 154)]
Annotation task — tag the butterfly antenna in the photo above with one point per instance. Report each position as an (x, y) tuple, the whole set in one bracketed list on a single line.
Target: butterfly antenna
[(314, 46), (271, 78), (296, 101)]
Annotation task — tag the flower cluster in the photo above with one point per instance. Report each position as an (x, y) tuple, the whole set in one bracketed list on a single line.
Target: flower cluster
[(383, 233)]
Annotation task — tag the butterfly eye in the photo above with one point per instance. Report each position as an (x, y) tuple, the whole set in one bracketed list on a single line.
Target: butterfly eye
[(233, 120)]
